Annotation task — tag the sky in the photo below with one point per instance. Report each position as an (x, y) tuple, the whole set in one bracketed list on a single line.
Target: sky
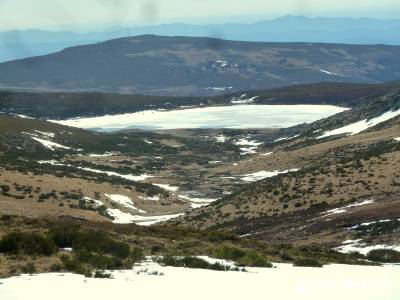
[(63, 14)]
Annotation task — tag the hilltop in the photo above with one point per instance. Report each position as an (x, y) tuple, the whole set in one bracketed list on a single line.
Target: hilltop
[(195, 66)]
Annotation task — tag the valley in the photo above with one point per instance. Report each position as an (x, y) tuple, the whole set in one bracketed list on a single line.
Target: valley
[(317, 187), (199, 150)]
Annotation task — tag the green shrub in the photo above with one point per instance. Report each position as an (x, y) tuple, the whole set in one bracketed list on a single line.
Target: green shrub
[(384, 255), (253, 259), (29, 268), (100, 242), (99, 261), (89, 241), (27, 243), (64, 236), (307, 262), (73, 265), (229, 253), (241, 257)]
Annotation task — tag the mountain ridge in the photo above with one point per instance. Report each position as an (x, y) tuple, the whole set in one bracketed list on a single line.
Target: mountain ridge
[(17, 44), (187, 66)]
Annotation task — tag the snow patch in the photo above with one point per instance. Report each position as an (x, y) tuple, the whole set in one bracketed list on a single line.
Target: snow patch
[(124, 201), (50, 145), (197, 202), (109, 173), (95, 201), (220, 89), (47, 134), (107, 154), (167, 187), (243, 100), (127, 218), (331, 73), (344, 209), (267, 154), (154, 198), (363, 125), (221, 138), (252, 146), (350, 246), (264, 174), (287, 138)]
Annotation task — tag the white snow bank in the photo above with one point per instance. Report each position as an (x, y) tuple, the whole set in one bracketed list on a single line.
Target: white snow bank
[(219, 88), (363, 125), (197, 202), (47, 134), (24, 117), (371, 223), (251, 148), (154, 198), (284, 282), (167, 187), (350, 246), (109, 173), (107, 154), (126, 218), (264, 174), (221, 138), (330, 73), (124, 201), (343, 209), (287, 138), (246, 142), (243, 100), (248, 150), (50, 145), (267, 154), (95, 201)]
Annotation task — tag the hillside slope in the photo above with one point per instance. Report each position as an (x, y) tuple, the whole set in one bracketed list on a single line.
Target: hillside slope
[(337, 181), (160, 65)]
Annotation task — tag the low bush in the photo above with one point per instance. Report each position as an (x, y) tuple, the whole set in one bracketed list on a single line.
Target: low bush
[(229, 253), (253, 259), (27, 244), (384, 256), (307, 262), (89, 241), (100, 242), (241, 257), (29, 268), (99, 261)]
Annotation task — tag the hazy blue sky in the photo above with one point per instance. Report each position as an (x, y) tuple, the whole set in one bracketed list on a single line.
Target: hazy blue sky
[(57, 14)]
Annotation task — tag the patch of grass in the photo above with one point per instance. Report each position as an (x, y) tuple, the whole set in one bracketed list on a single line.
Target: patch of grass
[(89, 241), (307, 262), (384, 256), (27, 243), (241, 257), (190, 262)]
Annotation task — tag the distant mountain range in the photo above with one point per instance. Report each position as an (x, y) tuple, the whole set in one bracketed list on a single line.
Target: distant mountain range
[(187, 66), (21, 44)]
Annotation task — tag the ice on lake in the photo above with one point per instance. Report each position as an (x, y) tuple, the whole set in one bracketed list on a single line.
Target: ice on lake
[(235, 116)]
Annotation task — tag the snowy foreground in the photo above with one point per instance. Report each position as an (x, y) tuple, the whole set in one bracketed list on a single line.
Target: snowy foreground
[(151, 281)]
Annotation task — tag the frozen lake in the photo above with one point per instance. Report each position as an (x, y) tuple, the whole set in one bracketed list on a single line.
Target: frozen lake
[(236, 116)]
